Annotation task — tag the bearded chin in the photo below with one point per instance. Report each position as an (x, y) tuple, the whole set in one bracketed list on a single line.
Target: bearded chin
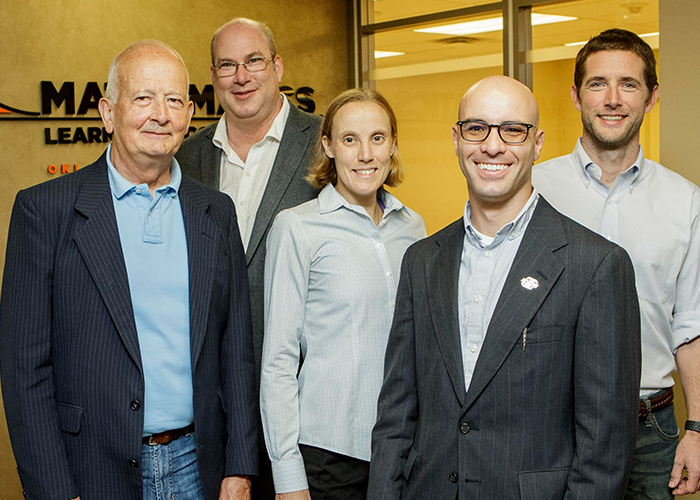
[(612, 142)]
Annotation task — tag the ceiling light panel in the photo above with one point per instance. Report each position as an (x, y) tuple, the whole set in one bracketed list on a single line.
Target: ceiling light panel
[(489, 25)]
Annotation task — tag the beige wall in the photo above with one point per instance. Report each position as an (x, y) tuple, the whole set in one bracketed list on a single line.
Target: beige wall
[(75, 40), (679, 83)]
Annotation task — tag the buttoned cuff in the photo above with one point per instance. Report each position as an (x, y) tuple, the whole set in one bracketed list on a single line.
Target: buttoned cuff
[(289, 475)]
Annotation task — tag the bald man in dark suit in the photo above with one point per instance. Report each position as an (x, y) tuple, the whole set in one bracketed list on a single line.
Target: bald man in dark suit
[(513, 362)]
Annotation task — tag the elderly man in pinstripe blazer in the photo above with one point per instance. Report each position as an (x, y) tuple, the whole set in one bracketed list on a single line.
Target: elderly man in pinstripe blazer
[(513, 362), (125, 338)]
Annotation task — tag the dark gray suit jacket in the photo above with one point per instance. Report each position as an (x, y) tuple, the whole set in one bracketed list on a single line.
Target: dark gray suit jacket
[(72, 377), (286, 188), (556, 418)]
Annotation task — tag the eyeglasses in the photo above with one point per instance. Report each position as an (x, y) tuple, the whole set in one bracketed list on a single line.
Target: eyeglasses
[(252, 65), (478, 131)]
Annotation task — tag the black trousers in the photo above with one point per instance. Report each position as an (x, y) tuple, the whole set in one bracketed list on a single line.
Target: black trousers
[(333, 476)]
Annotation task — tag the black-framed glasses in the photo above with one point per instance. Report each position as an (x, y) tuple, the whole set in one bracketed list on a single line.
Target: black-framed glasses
[(479, 130), (252, 65)]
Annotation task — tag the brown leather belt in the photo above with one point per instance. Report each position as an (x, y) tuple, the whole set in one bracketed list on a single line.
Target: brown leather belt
[(166, 437), (659, 402)]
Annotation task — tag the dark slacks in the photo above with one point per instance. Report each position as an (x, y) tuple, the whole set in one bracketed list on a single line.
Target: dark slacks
[(333, 476)]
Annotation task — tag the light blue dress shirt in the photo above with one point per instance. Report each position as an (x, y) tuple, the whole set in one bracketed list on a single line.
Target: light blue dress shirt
[(654, 214), (330, 284), (482, 273), (152, 234)]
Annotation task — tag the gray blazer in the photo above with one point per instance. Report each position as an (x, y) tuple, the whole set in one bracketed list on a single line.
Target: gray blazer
[(286, 188), (554, 418)]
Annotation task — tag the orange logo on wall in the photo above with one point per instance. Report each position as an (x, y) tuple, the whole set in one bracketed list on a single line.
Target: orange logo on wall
[(65, 169), (5, 109)]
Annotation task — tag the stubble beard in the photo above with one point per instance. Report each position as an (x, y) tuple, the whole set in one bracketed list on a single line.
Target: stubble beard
[(604, 143)]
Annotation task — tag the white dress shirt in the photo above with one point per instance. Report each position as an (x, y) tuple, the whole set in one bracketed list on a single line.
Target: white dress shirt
[(245, 181), (654, 214), (330, 284)]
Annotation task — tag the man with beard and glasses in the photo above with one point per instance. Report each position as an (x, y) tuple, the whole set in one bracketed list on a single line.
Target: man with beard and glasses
[(607, 185)]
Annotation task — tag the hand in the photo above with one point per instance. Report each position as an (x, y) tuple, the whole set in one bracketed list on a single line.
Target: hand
[(294, 495), (235, 488), (688, 458)]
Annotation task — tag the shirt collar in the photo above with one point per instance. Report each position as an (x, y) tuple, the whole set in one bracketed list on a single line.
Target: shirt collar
[(329, 200), (275, 132), (590, 172), (509, 231), (120, 186)]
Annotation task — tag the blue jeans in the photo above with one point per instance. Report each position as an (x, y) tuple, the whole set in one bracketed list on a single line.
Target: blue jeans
[(170, 471), (653, 455)]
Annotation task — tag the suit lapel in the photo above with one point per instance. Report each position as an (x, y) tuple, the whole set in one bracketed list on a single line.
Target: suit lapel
[(295, 140), (202, 251), (442, 278), (210, 161), (517, 305), (99, 244)]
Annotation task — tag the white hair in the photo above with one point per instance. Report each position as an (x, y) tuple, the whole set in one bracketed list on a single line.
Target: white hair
[(112, 91)]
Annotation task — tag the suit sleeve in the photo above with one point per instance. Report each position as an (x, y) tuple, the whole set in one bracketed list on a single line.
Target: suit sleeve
[(607, 367), (397, 411), (238, 367), (25, 355)]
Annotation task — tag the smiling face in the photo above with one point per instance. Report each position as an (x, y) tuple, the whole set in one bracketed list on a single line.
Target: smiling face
[(613, 99), (361, 144), (245, 95), (152, 112), (498, 174)]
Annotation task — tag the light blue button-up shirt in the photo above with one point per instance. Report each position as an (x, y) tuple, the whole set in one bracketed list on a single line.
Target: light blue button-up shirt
[(482, 273), (152, 234), (330, 284), (654, 214)]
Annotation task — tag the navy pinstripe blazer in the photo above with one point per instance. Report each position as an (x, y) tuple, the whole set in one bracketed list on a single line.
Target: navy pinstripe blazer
[(555, 418), (69, 354)]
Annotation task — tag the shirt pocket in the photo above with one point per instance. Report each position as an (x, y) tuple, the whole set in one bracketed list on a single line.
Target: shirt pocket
[(655, 269), (540, 334)]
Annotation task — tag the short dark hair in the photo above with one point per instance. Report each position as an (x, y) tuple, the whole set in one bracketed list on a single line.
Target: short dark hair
[(617, 39), (322, 171)]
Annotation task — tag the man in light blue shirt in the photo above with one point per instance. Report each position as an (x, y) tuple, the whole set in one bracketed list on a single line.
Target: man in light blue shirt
[(152, 235), (125, 338), (607, 185)]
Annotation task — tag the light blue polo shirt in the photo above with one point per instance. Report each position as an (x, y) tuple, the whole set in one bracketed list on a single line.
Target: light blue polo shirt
[(152, 234)]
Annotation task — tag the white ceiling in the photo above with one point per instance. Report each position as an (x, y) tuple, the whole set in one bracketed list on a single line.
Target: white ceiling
[(424, 50)]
